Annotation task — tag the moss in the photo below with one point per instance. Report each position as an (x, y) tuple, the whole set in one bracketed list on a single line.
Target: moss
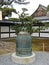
[(37, 45), (9, 40)]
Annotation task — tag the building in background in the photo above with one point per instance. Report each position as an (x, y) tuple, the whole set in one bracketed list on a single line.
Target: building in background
[(5, 29), (41, 14)]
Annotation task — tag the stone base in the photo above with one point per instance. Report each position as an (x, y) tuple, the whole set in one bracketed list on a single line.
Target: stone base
[(23, 60)]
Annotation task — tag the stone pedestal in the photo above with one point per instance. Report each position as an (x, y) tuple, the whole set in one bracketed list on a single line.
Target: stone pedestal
[(23, 60), (23, 54)]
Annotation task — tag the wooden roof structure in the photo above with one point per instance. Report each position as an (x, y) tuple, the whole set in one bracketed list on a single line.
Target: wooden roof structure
[(40, 11)]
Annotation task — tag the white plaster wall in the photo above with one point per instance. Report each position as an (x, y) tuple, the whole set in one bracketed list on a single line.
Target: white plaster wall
[(0, 15), (4, 29)]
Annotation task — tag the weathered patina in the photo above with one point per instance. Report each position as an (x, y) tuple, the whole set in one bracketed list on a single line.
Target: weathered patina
[(23, 44)]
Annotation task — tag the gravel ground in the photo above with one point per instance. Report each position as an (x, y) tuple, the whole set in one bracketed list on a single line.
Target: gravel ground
[(7, 47), (42, 58)]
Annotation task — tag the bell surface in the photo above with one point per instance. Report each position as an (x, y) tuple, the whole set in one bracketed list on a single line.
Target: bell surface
[(23, 44)]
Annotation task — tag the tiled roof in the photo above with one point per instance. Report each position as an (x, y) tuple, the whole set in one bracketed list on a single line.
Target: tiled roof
[(42, 6), (39, 7)]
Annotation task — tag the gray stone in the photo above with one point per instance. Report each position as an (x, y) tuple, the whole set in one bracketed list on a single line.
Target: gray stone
[(42, 58)]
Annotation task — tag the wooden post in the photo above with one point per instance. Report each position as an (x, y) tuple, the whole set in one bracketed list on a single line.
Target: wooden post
[(9, 31), (43, 47), (39, 30), (0, 32)]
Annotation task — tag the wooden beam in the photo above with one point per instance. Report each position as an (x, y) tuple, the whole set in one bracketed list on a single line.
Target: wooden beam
[(39, 30), (9, 31), (0, 32)]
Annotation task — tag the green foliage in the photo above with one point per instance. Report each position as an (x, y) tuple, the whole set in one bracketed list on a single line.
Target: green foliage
[(46, 24), (26, 18), (7, 11), (48, 8), (2, 3), (24, 9), (17, 28), (14, 19), (29, 28), (36, 21), (5, 2), (26, 23)]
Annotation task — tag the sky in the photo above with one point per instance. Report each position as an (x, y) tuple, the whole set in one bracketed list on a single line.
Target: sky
[(32, 6)]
